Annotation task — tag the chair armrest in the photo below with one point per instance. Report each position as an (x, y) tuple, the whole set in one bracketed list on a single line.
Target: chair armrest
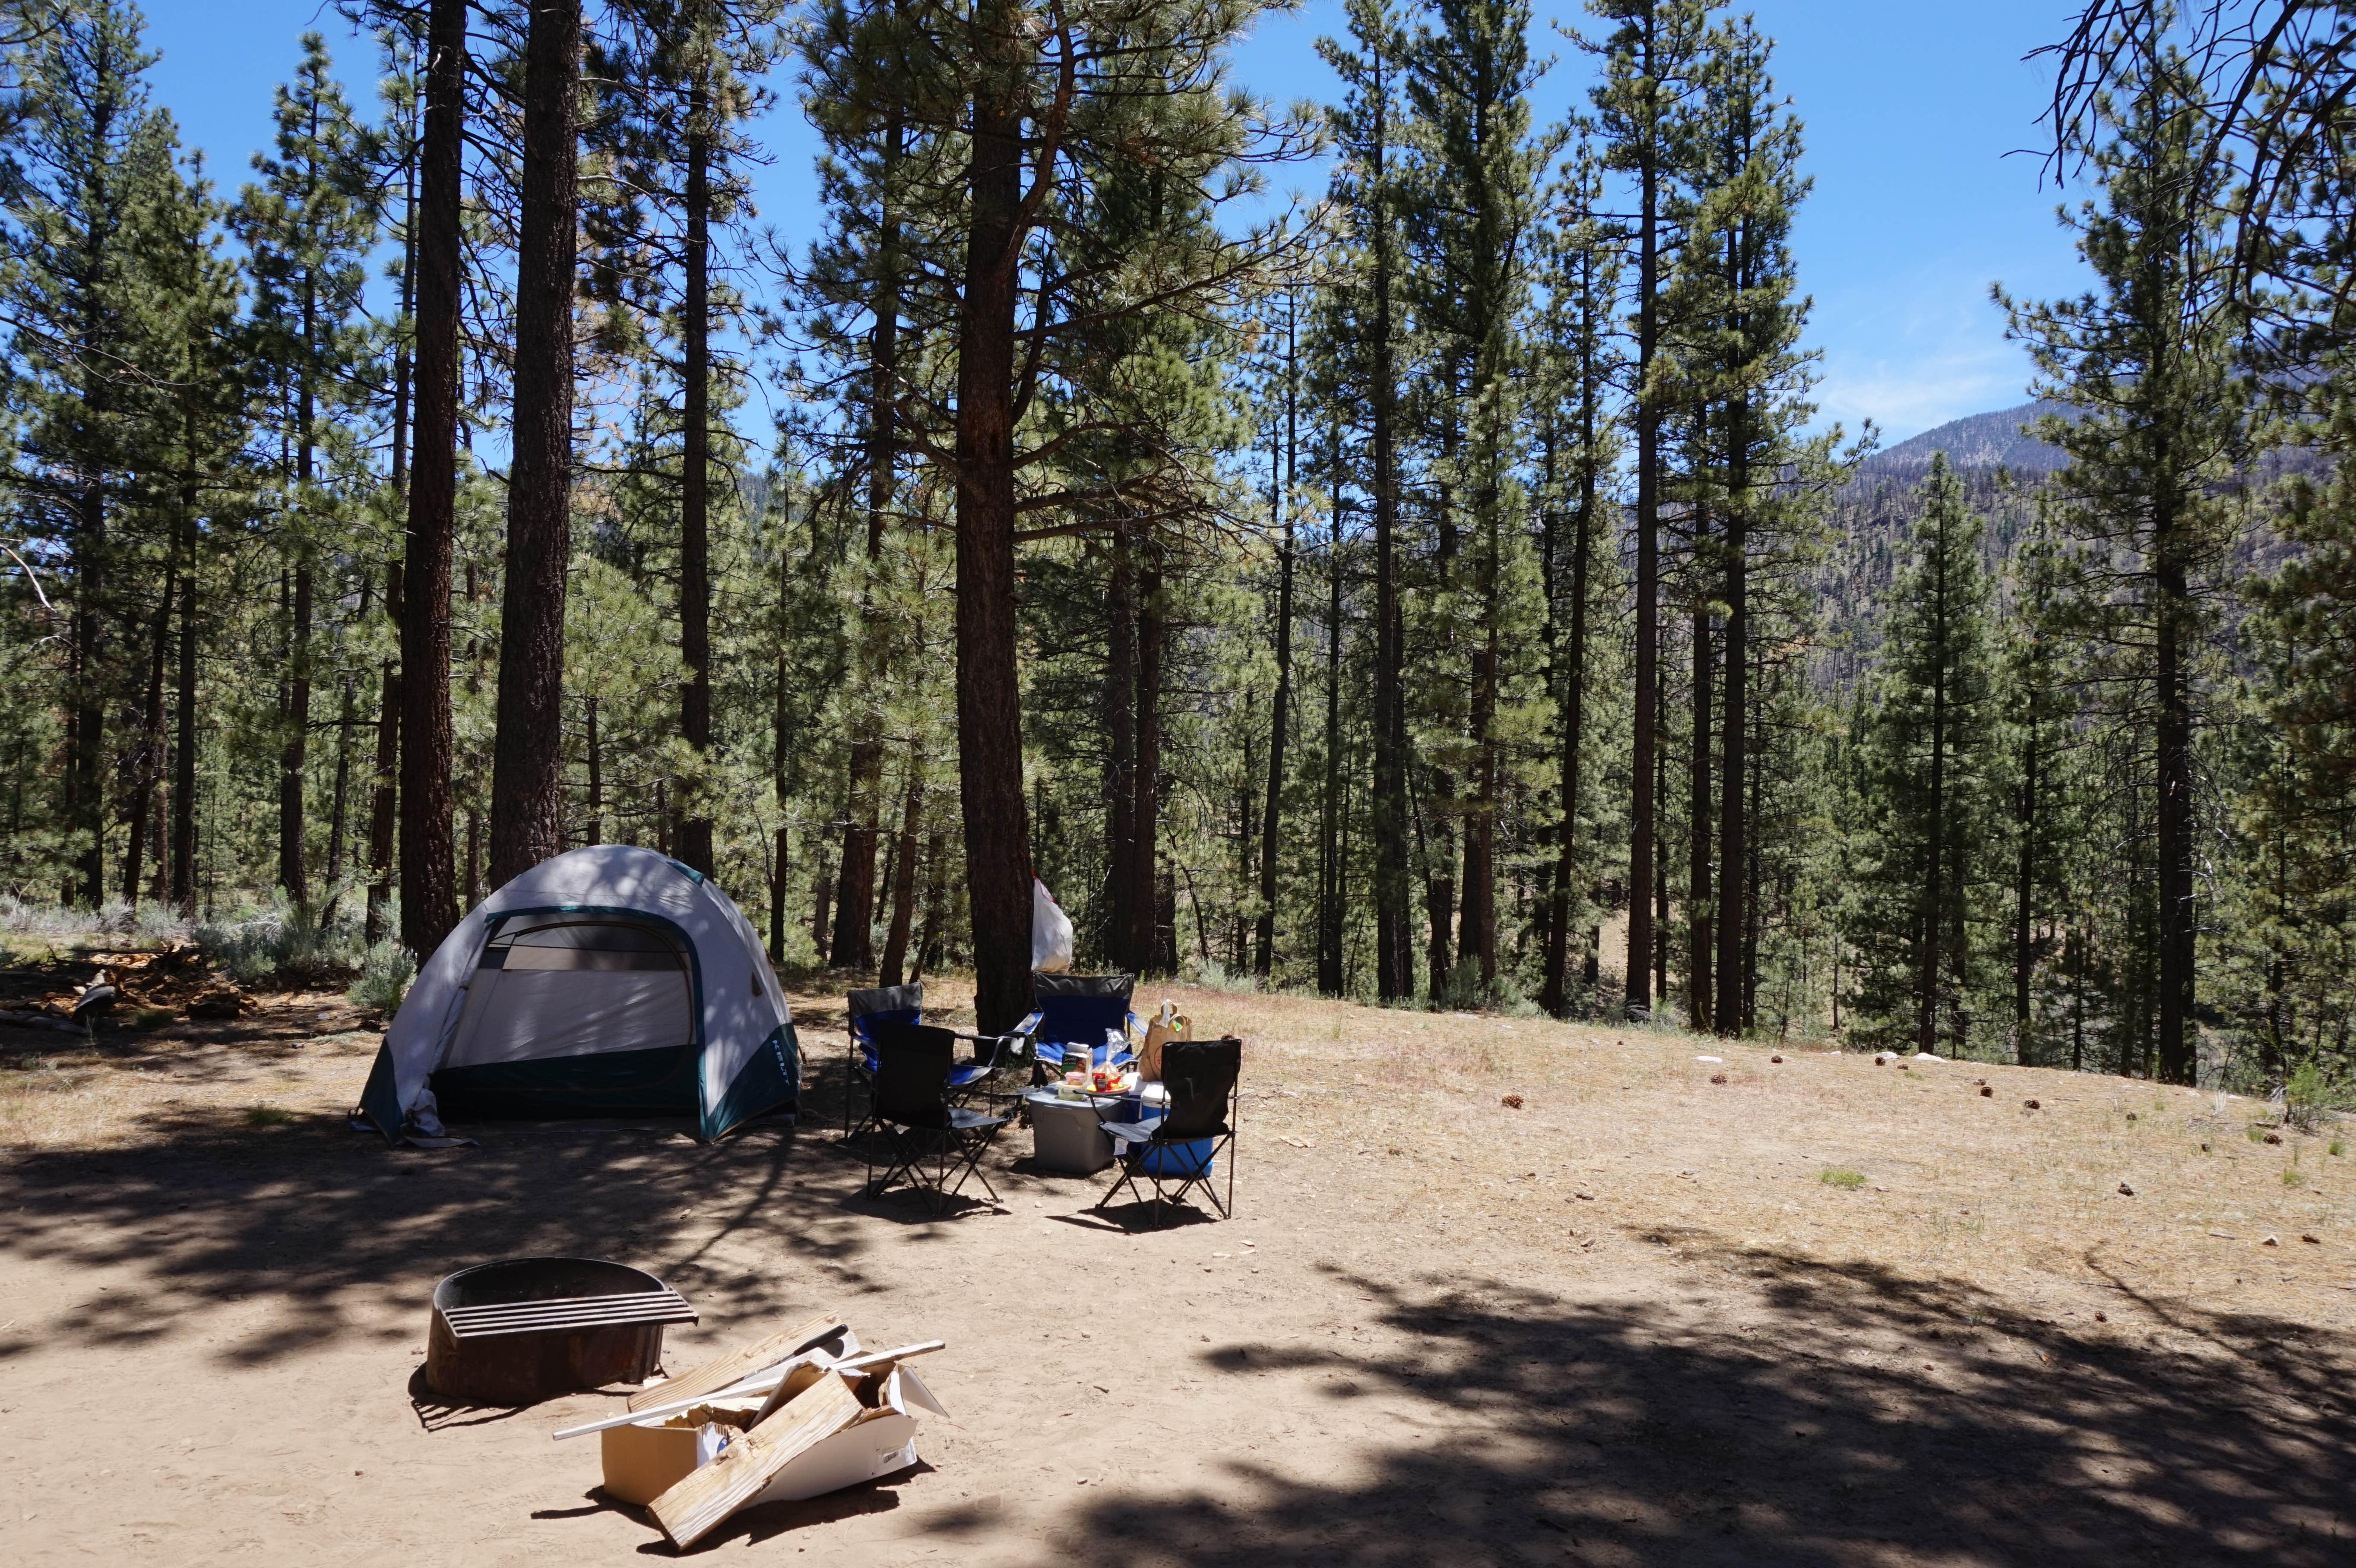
[(1029, 1026)]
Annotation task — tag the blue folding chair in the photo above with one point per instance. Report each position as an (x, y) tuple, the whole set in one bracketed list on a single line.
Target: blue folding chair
[(1071, 1015)]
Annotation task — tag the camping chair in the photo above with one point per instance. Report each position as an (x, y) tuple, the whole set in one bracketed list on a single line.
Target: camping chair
[(869, 1010), (1072, 1011), (936, 1144), (1181, 1151)]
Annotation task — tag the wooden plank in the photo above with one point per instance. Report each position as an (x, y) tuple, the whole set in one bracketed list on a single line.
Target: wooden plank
[(739, 1364), (691, 1509)]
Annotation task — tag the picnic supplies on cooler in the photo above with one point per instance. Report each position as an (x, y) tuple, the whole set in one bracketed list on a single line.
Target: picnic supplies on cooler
[(1179, 1151), (1167, 1025), (1051, 931)]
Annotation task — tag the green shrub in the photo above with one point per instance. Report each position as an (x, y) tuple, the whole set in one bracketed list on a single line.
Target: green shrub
[(281, 939), (1841, 1176), (267, 1116), (386, 970)]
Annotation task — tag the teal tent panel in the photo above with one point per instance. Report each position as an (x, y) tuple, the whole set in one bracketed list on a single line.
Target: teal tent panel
[(769, 1081), (380, 1100), (657, 1082)]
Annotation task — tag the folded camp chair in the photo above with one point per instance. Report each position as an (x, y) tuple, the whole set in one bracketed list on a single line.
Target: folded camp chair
[(1181, 1151), (934, 1145), (1075, 1010), (869, 1010)]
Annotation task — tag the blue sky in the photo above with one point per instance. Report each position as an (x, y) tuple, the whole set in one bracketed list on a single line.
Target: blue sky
[(1910, 110)]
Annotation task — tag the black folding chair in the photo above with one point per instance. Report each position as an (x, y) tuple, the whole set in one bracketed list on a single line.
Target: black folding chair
[(1181, 1152), (934, 1146)]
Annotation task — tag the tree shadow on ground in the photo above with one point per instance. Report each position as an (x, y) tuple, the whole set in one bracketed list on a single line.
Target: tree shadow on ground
[(209, 1209), (1542, 1430)]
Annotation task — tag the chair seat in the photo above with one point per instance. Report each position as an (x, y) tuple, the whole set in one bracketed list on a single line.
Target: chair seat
[(965, 1121), (1151, 1131)]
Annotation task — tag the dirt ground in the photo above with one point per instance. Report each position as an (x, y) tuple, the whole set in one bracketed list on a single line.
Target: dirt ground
[(1627, 1322)]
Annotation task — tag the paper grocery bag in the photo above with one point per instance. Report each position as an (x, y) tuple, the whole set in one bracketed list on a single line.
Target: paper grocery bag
[(1158, 1034)]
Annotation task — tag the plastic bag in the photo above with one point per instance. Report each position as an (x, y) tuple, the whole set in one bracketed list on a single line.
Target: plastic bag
[(1051, 931)]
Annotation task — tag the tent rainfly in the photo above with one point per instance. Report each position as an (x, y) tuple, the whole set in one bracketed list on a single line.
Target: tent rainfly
[(606, 981)]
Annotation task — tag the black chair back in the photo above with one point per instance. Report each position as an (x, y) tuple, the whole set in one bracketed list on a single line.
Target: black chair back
[(1201, 1077), (880, 1004), (912, 1075)]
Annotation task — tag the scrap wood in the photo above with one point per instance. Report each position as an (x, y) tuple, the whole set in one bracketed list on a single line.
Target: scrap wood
[(738, 1364), (710, 1494), (760, 1383)]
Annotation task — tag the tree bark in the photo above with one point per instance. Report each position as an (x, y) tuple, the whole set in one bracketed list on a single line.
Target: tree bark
[(527, 756), (1145, 810), (1394, 943), (1733, 731), (2178, 933), (1646, 717), (695, 472), (293, 872), (1700, 954), (384, 806), (184, 702), (1555, 998), (1927, 1022), (1120, 760), (1280, 718), (1330, 860), (989, 714), (903, 879), (151, 746), (428, 899)]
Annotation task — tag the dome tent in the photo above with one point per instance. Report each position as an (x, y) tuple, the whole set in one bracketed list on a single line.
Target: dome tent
[(605, 981)]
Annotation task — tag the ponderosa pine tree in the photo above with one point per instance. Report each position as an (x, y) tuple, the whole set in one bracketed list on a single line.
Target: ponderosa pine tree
[(2147, 359), (307, 227), (527, 766), (1653, 59), (428, 889), (1928, 740), (1367, 126)]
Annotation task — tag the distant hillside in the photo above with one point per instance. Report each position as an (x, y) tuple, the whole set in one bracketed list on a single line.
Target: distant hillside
[(1977, 440)]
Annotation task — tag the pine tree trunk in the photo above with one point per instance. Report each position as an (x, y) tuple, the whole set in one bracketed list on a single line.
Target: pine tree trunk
[(1733, 827), (904, 879), (595, 833), (1926, 1022), (184, 707), (989, 715), (1329, 827), (1645, 714), (695, 471), (1120, 760), (2024, 890), (1555, 998), (1699, 951), (1394, 945), (294, 755), (1145, 813), (2177, 933), (339, 800), (149, 773), (1280, 718), (527, 756), (428, 899), (384, 807)]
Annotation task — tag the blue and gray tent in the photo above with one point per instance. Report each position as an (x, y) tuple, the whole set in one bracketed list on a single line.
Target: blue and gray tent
[(606, 981)]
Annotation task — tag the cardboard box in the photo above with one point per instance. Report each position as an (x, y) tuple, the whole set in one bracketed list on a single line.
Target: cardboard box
[(644, 1460)]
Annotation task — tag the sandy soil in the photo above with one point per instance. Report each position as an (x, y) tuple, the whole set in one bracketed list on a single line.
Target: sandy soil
[(1627, 1322)]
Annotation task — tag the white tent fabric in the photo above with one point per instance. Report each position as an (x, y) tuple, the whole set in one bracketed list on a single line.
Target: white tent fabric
[(556, 991)]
